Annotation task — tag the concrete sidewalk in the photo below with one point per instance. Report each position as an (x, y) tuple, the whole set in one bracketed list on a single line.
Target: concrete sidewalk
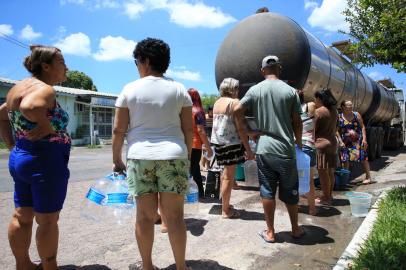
[(213, 243)]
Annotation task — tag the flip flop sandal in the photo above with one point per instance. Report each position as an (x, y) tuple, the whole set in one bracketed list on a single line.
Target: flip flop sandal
[(368, 182), (264, 236)]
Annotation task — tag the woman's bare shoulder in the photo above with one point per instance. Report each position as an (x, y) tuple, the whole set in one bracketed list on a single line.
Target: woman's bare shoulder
[(30, 91)]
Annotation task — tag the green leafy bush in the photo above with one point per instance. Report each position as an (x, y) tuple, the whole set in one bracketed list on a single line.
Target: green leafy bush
[(385, 247)]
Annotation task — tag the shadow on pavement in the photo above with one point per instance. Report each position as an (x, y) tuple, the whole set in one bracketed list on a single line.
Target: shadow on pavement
[(341, 202), (195, 226), (250, 215), (201, 265), (313, 235), (322, 211), (86, 267), (215, 209)]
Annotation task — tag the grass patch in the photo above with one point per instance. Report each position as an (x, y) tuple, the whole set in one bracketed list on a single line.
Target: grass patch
[(94, 146), (385, 247)]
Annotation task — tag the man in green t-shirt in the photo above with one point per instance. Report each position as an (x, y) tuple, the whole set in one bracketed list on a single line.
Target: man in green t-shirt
[(276, 109)]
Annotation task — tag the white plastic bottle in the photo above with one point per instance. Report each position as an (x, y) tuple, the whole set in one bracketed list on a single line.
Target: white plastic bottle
[(253, 145), (206, 153), (120, 206), (251, 173), (93, 204), (192, 198)]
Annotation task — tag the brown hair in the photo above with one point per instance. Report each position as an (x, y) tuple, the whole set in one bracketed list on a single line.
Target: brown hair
[(39, 54), (343, 102)]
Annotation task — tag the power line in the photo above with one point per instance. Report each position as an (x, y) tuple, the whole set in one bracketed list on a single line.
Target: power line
[(14, 41)]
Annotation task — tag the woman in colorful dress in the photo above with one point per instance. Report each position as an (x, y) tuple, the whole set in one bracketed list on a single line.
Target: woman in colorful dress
[(353, 139), (230, 143), (38, 161)]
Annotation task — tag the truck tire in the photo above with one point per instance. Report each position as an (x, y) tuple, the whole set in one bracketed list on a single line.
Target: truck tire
[(400, 140), (372, 143), (380, 138)]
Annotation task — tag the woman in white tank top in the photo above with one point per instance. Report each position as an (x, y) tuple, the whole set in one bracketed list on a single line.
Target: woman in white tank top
[(230, 142)]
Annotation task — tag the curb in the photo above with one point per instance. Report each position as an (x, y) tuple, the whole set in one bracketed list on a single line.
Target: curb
[(351, 251)]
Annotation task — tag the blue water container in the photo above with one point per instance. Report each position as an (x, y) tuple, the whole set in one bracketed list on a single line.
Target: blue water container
[(239, 172), (303, 171), (342, 177)]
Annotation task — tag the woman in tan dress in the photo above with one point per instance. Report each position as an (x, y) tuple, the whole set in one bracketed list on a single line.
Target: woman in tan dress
[(325, 126)]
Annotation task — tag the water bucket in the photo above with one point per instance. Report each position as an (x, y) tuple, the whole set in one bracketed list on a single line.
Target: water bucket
[(342, 177), (239, 172), (360, 203), (303, 171)]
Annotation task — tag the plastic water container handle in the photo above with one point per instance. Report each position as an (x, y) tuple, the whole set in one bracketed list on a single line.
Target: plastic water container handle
[(115, 198), (95, 196)]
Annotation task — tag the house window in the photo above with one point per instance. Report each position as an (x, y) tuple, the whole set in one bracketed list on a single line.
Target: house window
[(79, 108)]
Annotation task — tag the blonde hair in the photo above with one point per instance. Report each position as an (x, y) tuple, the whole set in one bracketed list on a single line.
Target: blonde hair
[(39, 54), (228, 87)]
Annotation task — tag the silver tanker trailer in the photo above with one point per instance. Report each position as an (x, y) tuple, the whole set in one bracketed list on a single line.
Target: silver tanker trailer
[(310, 65)]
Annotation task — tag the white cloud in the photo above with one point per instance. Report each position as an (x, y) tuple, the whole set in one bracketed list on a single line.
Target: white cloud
[(133, 9), (184, 75), (6, 29), (329, 16), (182, 13), (186, 13), (197, 15), (376, 75), (76, 44), (29, 34), (309, 4), (114, 48)]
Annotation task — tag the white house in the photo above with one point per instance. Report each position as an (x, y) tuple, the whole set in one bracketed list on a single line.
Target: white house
[(91, 113)]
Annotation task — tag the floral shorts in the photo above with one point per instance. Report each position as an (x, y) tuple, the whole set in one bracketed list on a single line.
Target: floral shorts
[(152, 176)]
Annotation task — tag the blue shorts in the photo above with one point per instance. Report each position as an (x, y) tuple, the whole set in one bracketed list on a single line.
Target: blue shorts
[(40, 173), (311, 152), (274, 171)]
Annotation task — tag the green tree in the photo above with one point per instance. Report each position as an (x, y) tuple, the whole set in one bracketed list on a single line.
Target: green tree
[(208, 100), (79, 80), (378, 29)]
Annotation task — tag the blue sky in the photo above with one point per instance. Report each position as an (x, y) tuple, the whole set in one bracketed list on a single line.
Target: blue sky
[(98, 36)]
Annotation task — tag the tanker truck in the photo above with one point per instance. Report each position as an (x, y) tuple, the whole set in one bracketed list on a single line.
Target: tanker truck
[(310, 65)]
